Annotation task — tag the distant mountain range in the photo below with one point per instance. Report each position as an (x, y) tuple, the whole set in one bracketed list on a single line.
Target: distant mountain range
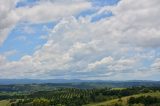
[(38, 81), (84, 82)]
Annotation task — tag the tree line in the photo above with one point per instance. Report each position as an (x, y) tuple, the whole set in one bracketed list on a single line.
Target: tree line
[(79, 97)]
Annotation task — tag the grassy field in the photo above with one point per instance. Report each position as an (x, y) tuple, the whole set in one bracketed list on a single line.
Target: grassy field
[(4, 103), (123, 100), (79, 97), (118, 88)]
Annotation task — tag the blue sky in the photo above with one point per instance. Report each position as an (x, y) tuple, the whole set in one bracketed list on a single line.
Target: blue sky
[(25, 43), (24, 39), (103, 39)]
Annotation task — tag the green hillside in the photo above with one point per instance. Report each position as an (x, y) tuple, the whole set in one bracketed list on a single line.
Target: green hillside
[(4, 103), (123, 101), (48, 96)]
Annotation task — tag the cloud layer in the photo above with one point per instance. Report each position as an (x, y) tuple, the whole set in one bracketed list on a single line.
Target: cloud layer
[(125, 44)]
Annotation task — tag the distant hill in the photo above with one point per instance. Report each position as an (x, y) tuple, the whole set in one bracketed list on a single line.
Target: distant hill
[(90, 83), (123, 101), (37, 81)]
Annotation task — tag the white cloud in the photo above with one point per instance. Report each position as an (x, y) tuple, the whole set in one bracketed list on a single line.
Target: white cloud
[(124, 65), (105, 61), (156, 64), (43, 11), (109, 48), (139, 22), (2, 60), (46, 11), (8, 18)]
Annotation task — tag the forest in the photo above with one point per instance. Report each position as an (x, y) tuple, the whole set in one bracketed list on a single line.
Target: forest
[(77, 95)]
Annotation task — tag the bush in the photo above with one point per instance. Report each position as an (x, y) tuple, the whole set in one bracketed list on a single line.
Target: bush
[(146, 100)]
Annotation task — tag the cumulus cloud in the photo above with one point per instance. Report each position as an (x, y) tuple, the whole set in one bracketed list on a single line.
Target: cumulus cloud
[(110, 48), (8, 18), (105, 61), (50, 10), (156, 64), (43, 11), (139, 22)]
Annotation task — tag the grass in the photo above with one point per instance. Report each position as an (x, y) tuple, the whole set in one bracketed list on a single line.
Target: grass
[(118, 88), (123, 100), (4, 103)]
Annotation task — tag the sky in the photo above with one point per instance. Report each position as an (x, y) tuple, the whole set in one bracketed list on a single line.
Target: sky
[(80, 39)]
